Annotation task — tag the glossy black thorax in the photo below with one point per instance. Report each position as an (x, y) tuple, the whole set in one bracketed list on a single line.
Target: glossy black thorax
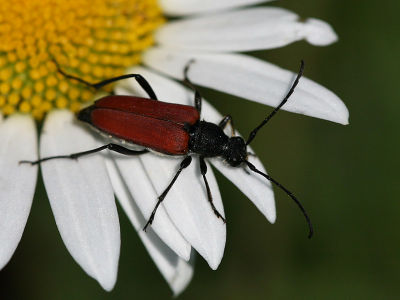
[(207, 139)]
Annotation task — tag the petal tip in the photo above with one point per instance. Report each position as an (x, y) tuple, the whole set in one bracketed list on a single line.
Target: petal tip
[(4, 259), (213, 266), (319, 33), (268, 209), (182, 279), (185, 255), (106, 275), (183, 252), (214, 262), (108, 281), (343, 118), (271, 217), (339, 113)]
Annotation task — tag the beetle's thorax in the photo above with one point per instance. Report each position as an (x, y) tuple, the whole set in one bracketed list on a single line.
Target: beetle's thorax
[(207, 139)]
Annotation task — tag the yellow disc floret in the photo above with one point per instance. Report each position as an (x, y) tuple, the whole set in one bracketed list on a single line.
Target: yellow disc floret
[(90, 39)]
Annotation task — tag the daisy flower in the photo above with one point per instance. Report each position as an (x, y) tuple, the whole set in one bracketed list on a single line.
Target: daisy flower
[(99, 39)]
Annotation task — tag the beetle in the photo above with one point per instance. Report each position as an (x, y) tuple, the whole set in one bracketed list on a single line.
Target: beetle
[(170, 129)]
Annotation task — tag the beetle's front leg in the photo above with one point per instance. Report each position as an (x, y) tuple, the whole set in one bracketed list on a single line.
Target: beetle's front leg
[(227, 119), (184, 164), (203, 170)]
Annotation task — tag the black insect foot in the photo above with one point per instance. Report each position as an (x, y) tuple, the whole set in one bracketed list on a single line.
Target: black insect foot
[(149, 222), (219, 216), (32, 163), (145, 226), (186, 69)]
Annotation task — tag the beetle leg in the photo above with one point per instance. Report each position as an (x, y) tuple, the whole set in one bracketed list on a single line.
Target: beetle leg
[(186, 80), (227, 119), (184, 164), (139, 78), (111, 147), (203, 170)]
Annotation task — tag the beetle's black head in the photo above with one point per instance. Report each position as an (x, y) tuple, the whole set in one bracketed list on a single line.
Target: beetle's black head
[(235, 152)]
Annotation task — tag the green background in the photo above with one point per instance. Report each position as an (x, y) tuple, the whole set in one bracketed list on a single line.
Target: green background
[(346, 176)]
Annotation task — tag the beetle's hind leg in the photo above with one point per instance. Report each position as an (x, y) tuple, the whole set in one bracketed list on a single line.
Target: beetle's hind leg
[(98, 85), (186, 80), (111, 147), (203, 170), (184, 164)]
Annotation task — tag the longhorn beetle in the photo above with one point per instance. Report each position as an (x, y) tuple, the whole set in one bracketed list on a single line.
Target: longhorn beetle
[(170, 129)]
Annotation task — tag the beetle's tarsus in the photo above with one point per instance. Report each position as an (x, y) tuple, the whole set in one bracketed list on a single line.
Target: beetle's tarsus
[(149, 222), (216, 212), (28, 162), (219, 216)]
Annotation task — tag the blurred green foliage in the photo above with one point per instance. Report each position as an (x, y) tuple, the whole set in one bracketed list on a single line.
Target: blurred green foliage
[(346, 176)]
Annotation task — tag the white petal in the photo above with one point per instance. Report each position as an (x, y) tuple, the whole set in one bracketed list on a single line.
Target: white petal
[(187, 7), (256, 188), (81, 198), (319, 33), (252, 79), (188, 207), (243, 30), (176, 271), (17, 181), (145, 195)]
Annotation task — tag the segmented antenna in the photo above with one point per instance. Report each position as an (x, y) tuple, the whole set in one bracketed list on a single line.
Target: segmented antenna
[(310, 226), (255, 130)]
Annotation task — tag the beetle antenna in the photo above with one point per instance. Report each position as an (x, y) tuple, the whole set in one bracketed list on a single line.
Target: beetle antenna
[(310, 226), (255, 130)]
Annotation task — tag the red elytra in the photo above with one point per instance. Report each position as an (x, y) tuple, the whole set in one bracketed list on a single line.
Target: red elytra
[(153, 124)]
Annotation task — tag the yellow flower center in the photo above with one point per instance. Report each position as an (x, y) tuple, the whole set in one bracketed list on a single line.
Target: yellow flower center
[(90, 39)]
